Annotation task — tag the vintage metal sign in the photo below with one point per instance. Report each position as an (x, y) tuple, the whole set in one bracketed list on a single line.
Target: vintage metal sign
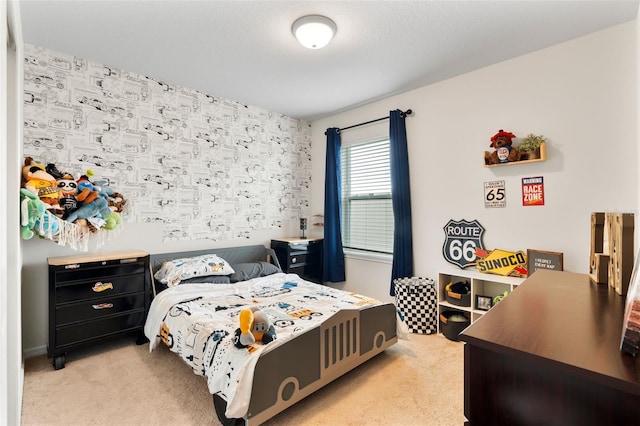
[(462, 240), (502, 262), (533, 191), (494, 194)]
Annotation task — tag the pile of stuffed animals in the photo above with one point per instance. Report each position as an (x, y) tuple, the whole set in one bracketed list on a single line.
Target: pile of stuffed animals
[(51, 199)]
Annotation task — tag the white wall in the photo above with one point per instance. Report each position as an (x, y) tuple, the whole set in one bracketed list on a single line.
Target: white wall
[(580, 94), (4, 214), (11, 362)]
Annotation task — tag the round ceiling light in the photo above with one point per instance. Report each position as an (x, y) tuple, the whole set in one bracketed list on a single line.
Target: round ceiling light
[(314, 31)]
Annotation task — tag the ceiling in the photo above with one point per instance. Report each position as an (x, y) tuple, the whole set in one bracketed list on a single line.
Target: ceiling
[(244, 50)]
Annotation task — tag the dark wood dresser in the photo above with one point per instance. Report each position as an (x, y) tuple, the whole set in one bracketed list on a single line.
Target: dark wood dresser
[(302, 256), (549, 354), (93, 297)]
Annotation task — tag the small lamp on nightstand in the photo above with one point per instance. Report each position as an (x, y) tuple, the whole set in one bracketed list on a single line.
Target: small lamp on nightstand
[(303, 226)]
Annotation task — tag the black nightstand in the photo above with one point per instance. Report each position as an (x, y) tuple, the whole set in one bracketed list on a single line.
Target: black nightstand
[(302, 256), (94, 297)]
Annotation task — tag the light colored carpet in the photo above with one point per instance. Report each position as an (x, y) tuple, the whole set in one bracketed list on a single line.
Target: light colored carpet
[(415, 382)]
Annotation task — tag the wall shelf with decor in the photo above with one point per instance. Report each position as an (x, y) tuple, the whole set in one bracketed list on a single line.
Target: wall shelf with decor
[(540, 154), (487, 286)]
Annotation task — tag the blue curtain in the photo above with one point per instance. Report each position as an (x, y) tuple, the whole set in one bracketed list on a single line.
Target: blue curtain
[(400, 199), (333, 254)]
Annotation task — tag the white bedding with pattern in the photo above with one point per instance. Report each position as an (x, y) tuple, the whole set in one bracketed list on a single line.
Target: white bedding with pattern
[(198, 321)]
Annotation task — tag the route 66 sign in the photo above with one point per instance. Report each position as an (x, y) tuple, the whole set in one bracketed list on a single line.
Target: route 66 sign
[(462, 240)]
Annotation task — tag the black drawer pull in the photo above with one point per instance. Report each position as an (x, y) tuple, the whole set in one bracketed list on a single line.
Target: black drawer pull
[(99, 287), (102, 306)]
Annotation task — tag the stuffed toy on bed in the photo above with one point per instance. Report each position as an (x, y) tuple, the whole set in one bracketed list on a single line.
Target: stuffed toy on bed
[(255, 326)]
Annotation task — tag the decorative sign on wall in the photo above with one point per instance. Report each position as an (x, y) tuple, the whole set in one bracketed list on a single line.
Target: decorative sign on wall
[(494, 194), (502, 262), (462, 239), (539, 259), (533, 191)]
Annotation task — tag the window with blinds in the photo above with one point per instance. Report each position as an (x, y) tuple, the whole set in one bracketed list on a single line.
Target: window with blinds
[(367, 214)]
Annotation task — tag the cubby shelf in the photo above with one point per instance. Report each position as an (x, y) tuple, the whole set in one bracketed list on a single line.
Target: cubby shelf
[(489, 285)]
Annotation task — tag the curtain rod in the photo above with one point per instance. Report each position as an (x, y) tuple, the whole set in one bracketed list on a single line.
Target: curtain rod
[(404, 113)]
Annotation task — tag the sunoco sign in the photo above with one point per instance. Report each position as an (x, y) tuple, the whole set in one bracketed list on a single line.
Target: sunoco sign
[(462, 240)]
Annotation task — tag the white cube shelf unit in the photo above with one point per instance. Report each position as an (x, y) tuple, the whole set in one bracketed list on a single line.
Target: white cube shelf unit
[(489, 285)]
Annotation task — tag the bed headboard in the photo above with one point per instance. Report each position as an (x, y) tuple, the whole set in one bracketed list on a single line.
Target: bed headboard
[(241, 254)]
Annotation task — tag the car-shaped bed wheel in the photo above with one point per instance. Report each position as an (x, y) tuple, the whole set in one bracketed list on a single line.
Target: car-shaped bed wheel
[(221, 406)]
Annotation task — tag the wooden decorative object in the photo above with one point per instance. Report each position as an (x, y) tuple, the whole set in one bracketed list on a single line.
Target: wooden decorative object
[(612, 250), (598, 261), (600, 269), (621, 251)]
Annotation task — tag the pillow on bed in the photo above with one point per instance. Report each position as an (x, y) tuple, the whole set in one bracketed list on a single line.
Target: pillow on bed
[(209, 279), (172, 272), (247, 271)]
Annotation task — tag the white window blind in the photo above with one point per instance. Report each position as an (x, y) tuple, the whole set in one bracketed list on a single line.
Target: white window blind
[(367, 214)]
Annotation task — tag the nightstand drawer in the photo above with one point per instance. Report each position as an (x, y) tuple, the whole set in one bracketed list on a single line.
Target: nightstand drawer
[(80, 272), (301, 246), (74, 334), (83, 311), (297, 259), (110, 286)]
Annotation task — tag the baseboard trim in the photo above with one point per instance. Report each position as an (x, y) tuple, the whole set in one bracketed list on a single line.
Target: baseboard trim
[(33, 352)]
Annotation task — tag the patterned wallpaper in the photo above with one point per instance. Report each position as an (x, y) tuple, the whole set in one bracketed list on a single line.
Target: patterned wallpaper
[(204, 167)]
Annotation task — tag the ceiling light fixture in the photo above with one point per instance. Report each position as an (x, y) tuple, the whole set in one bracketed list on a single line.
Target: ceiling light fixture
[(314, 31)]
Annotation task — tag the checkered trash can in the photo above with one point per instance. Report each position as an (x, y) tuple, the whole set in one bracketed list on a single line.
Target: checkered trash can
[(417, 302)]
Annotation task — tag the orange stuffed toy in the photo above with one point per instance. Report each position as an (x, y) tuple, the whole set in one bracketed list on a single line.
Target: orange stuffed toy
[(39, 182)]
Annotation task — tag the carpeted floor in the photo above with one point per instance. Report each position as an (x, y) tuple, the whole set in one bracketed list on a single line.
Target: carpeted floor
[(415, 382)]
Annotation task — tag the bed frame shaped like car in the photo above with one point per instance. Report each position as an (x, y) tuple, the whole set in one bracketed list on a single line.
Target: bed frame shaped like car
[(301, 366)]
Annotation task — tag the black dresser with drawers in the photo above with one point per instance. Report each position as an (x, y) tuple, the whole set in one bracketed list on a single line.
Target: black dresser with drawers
[(95, 297)]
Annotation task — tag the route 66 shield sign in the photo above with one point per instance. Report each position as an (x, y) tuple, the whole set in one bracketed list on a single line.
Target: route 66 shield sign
[(462, 240)]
